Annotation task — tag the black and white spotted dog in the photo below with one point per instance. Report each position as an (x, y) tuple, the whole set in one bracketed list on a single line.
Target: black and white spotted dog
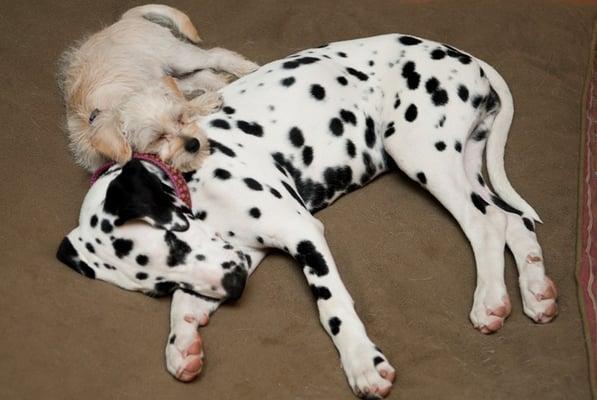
[(292, 138)]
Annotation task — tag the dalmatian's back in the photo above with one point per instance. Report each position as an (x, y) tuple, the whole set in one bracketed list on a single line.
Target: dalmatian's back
[(320, 116)]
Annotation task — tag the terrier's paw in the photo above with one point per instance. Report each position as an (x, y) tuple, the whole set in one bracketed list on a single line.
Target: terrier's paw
[(539, 298), (490, 308), (205, 104), (369, 373), (243, 67)]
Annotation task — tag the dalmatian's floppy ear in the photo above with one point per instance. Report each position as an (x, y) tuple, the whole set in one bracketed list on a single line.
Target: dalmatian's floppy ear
[(137, 194), (68, 254)]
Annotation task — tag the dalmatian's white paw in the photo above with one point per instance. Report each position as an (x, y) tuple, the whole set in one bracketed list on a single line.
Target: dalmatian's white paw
[(539, 296), (369, 373), (184, 351), (491, 307)]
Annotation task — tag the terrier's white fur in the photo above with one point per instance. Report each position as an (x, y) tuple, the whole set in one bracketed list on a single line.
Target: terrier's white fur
[(149, 57)]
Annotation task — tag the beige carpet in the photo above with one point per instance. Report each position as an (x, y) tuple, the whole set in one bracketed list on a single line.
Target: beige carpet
[(405, 261)]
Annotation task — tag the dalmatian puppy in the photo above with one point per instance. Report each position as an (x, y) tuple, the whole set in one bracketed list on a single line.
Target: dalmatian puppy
[(291, 138)]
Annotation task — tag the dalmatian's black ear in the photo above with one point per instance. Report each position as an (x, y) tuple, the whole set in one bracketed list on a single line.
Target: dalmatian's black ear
[(68, 254), (137, 194)]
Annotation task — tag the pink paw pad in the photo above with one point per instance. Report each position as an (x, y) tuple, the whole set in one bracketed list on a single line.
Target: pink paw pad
[(496, 317), (376, 391), (388, 375), (194, 361), (549, 294), (201, 320)]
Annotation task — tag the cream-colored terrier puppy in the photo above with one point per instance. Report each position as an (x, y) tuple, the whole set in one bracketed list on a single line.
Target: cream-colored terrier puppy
[(126, 89)]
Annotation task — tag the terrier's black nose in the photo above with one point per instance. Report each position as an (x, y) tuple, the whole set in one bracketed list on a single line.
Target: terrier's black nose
[(192, 145)]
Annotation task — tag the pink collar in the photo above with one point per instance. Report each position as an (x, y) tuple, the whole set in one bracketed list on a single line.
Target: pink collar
[(175, 176)]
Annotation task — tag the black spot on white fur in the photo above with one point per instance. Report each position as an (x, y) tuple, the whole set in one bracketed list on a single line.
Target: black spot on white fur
[(308, 256), (288, 81), (422, 178), (409, 40), (217, 146), (250, 128), (307, 155), (439, 96), (297, 62), (348, 117), (221, 173), (358, 74), (296, 137), (479, 202), (336, 126), (412, 77), (370, 136), (178, 250), (255, 212), (253, 184), (335, 323), (463, 93), (317, 91), (142, 260), (220, 123), (411, 113), (122, 247), (320, 292), (528, 224)]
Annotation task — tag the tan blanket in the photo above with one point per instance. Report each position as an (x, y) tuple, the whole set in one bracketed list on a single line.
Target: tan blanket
[(404, 259)]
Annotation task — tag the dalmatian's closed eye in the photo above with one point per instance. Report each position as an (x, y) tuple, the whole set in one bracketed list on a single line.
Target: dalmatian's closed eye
[(290, 139)]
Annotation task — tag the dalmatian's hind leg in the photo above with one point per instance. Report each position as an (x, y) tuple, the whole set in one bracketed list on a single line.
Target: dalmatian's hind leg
[(537, 289), (443, 175)]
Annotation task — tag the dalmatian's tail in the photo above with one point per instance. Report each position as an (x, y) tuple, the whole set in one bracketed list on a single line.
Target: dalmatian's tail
[(176, 21), (496, 144)]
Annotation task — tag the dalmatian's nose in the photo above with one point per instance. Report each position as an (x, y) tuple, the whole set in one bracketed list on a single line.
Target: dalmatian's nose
[(192, 145), (234, 283)]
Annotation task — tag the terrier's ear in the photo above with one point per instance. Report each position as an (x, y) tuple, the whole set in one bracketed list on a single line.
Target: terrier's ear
[(172, 86), (109, 141)]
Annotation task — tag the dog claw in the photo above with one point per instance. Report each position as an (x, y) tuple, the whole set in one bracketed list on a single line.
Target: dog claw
[(539, 300)]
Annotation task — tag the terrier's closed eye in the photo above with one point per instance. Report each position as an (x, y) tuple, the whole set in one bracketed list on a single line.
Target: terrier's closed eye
[(93, 115)]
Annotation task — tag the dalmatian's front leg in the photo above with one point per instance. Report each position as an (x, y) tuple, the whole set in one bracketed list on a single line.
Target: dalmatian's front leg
[(368, 372), (184, 350)]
